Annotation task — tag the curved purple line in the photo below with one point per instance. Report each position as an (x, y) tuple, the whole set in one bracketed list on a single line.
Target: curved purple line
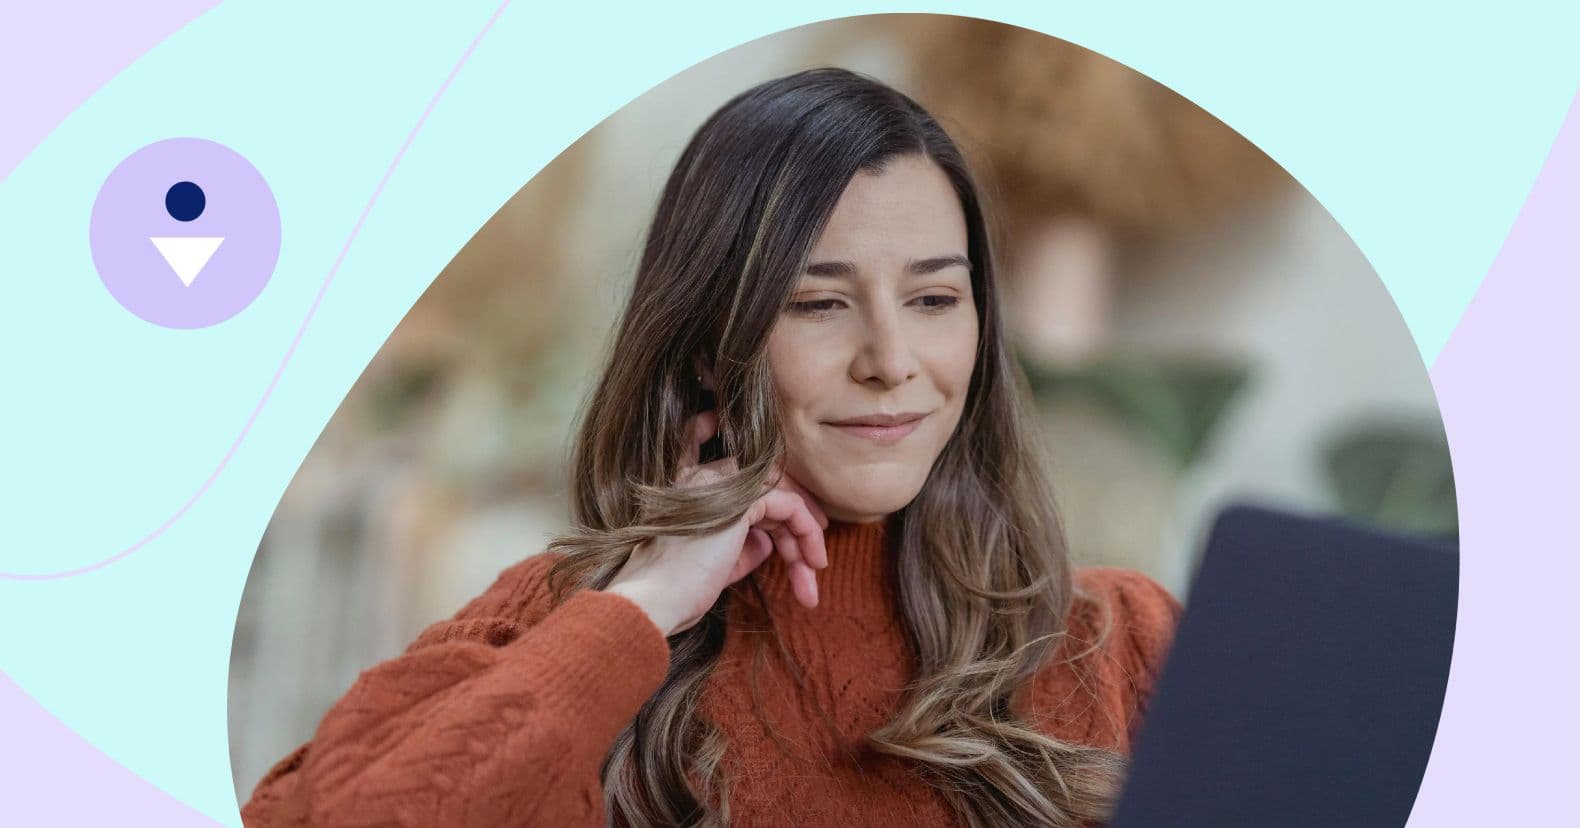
[(296, 340)]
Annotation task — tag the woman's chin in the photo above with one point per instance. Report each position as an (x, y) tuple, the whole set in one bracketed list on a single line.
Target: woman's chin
[(865, 507)]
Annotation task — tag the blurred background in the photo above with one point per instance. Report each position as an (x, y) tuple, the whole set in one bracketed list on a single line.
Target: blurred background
[(1196, 327)]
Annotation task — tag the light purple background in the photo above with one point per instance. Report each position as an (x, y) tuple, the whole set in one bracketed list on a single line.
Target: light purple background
[(56, 53), (1508, 745)]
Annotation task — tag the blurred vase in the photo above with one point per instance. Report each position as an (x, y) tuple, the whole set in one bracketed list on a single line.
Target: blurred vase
[(1062, 292)]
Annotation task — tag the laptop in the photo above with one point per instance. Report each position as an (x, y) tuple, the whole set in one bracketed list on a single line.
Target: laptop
[(1305, 680)]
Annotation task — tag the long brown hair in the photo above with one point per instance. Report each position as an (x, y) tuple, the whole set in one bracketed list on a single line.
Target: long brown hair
[(984, 580)]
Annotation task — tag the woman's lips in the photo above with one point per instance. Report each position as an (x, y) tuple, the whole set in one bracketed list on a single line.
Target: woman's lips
[(880, 434)]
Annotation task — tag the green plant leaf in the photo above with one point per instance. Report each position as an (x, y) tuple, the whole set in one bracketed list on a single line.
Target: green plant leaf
[(1174, 404), (1395, 475)]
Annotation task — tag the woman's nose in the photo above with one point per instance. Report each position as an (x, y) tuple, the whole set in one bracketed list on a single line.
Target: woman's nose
[(886, 355)]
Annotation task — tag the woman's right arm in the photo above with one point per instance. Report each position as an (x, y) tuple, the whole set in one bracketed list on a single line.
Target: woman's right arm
[(504, 714), (500, 716)]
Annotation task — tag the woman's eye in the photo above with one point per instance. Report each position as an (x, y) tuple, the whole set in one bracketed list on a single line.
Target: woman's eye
[(933, 303), (939, 302), (814, 306)]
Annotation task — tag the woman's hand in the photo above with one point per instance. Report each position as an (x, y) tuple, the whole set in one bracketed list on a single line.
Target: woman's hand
[(676, 579)]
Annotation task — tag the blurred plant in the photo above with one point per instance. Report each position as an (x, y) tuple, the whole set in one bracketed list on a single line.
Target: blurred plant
[(1394, 475), (1174, 404), (391, 398)]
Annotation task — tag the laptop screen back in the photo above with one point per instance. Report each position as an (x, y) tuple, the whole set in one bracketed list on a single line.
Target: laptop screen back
[(1305, 680)]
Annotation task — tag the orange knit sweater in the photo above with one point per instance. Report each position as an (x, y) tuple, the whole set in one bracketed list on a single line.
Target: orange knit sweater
[(503, 714)]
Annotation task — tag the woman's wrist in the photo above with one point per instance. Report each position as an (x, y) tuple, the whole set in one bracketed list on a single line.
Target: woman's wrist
[(636, 595)]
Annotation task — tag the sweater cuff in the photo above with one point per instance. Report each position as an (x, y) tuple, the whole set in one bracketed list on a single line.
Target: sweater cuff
[(604, 659)]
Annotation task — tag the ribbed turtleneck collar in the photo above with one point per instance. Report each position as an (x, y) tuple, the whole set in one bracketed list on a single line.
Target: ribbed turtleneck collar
[(857, 581)]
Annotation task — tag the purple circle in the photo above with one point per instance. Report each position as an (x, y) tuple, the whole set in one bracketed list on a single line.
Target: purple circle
[(185, 274)]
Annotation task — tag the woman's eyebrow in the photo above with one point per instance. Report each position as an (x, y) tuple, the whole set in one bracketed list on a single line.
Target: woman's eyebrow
[(918, 267)]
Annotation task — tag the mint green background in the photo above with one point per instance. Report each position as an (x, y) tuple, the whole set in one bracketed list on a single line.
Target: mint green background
[(1420, 131)]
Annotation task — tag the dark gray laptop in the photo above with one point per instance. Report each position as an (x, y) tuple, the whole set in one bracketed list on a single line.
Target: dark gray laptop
[(1305, 680)]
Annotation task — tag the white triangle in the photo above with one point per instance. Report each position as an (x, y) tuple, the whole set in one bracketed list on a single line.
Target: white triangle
[(187, 255)]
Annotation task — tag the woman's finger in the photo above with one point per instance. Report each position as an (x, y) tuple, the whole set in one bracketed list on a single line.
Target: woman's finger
[(782, 479), (785, 542), (800, 520), (787, 511), (803, 583), (757, 549), (788, 482)]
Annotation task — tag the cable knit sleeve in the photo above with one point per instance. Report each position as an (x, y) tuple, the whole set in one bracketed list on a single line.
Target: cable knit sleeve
[(501, 715)]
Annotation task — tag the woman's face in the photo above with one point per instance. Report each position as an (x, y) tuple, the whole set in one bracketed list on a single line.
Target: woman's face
[(882, 324)]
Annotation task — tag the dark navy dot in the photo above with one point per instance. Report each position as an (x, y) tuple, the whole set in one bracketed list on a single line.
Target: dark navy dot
[(184, 201)]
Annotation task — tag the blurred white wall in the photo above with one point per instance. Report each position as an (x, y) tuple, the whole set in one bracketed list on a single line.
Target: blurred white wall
[(1281, 284)]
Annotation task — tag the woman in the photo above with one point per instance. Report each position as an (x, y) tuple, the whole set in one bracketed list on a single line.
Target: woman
[(842, 597)]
